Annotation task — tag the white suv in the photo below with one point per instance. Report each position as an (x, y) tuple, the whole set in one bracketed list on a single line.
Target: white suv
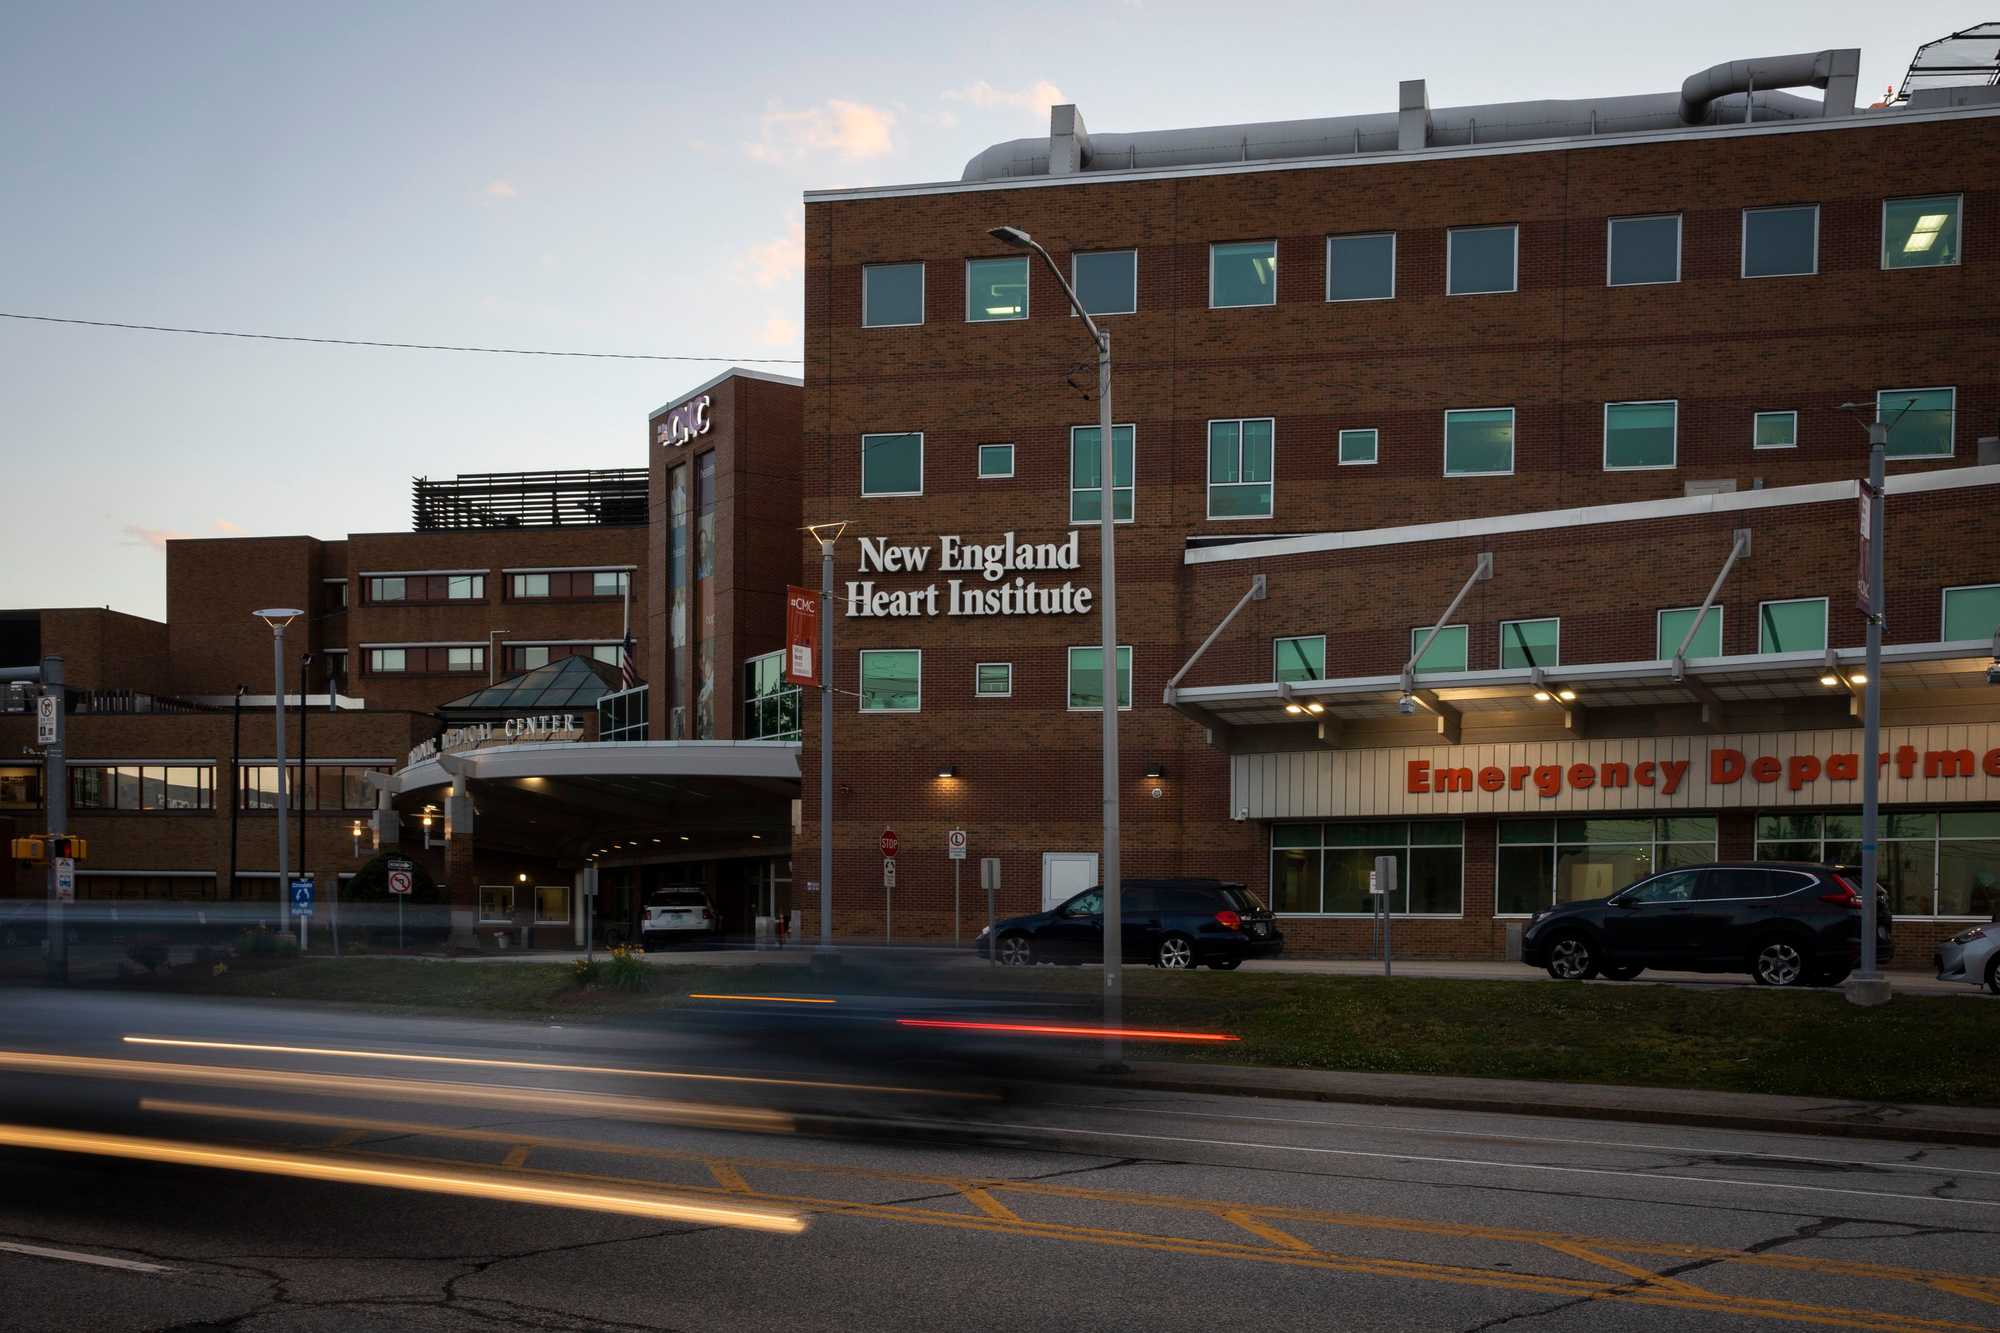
[(676, 914)]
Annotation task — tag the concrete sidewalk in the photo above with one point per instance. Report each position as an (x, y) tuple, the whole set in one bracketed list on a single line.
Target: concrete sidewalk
[(1973, 1126)]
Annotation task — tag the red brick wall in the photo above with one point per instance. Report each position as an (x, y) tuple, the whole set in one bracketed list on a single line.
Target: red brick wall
[(107, 650)]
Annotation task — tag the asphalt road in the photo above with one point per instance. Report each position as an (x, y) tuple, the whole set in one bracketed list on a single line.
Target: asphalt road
[(1074, 1209)]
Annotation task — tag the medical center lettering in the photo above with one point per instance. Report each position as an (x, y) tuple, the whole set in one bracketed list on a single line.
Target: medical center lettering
[(992, 593)]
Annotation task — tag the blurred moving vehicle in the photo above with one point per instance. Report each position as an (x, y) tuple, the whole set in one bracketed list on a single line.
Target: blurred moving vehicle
[(1972, 956), (1785, 923), (1170, 923), (676, 916)]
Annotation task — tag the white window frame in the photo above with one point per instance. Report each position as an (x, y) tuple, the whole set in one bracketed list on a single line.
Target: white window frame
[(1882, 232), (861, 677), (1825, 623), (1514, 228), (475, 655), (374, 588), (521, 652), (923, 292), (1944, 604), (1261, 305), (867, 494), (472, 581), (1755, 417), (1331, 299), (1642, 467), (979, 471), (516, 582), (1680, 240), (1208, 493), (1417, 634), (512, 903), (1131, 250), (376, 669), (1721, 632), (1501, 660), (1027, 287), (1340, 447), (978, 693), (1513, 450), (1951, 389), (1297, 638), (1070, 501), (1402, 870), (1068, 671), (1743, 242)]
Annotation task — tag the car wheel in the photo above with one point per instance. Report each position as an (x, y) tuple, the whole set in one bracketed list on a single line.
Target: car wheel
[(1623, 972), (1993, 975), (1016, 951), (1572, 958), (1226, 964), (1176, 953), (1828, 976), (1778, 963)]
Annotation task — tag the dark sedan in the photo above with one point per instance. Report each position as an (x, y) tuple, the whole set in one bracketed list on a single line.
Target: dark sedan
[(1171, 923), (1784, 923)]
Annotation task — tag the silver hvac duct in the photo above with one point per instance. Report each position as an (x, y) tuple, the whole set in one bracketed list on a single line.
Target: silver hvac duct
[(1836, 70)]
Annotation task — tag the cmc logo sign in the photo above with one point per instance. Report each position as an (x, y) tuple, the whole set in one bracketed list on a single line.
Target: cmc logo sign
[(682, 424)]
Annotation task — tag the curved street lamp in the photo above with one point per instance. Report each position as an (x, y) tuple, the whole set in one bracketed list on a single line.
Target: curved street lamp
[(277, 618)]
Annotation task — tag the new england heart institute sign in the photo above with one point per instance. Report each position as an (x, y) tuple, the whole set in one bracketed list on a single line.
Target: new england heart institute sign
[(1005, 577)]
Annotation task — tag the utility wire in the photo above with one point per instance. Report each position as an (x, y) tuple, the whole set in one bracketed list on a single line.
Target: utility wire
[(413, 347)]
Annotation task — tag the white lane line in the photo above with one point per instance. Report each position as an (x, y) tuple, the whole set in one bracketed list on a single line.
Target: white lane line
[(1666, 1149), (77, 1257), (1501, 1166)]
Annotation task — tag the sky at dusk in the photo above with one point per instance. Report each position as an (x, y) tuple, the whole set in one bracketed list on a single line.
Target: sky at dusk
[(590, 177)]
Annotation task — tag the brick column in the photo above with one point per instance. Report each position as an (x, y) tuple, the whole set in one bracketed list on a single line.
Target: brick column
[(461, 879)]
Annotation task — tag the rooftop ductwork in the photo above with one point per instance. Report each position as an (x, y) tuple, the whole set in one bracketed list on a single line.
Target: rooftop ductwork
[(1837, 71)]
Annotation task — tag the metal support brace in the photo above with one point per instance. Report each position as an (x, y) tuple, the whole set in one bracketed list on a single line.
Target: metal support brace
[(1218, 730), (1448, 719), (1711, 707)]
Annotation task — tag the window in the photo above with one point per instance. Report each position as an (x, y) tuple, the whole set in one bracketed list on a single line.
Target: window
[(568, 583), (316, 787), (427, 659), (1085, 485), (1239, 467), (1479, 441), (465, 587), (993, 680), (465, 659), (1361, 268), (1542, 862), (1447, 650), (1323, 869), (609, 582), (1676, 886), (1301, 658), (771, 706), (892, 464), (387, 661), (551, 904), (1107, 281), (530, 585), (607, 653), (625, 715), (149, 788), (1774, 430), (333, 595), (1640, 435), (891, 680), (1931, 862), (386, 589), (1673, 627), (891, 295), (1796, 626), (996, 289), (1480, 260), (1243, 273), (1920, 233), (1780, 242), (528, 657), (21, 787), (1086, 678), (1920, 421), (496, 902), (1643, 251), (995, 461), (1530, 643), (1971, 612), (1359, 446)]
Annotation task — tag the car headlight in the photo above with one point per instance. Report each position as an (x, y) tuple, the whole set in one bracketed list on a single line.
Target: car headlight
[(1968, 936)]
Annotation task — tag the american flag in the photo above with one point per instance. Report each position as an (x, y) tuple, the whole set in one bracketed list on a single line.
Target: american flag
[(628, 670)]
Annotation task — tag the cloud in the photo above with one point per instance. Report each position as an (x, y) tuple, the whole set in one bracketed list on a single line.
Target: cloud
[(852, 130), (1038, 97), (778, 332), (228, 529), (157, 538), (501, 189), (782, 259)]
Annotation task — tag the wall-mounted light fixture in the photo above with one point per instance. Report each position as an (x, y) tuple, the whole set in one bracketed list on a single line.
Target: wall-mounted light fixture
[(947, 771), (1155, 770)]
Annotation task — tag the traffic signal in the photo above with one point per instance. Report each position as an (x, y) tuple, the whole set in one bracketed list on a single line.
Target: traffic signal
[(29, 849)]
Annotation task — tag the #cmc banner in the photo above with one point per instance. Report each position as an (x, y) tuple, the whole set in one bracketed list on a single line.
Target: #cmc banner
[(801, 636)]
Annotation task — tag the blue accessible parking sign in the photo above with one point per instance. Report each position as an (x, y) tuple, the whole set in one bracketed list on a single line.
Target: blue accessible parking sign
[(302, 897)]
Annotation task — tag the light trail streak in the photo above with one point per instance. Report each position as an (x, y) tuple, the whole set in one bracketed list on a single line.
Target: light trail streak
[(1061, 1030)]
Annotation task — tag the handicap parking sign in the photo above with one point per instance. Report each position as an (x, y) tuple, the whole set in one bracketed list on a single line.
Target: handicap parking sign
[(302, 897)]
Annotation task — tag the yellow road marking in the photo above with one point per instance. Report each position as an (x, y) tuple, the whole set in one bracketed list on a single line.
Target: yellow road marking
[(1644, 1275), (990, 1206), (728, 1177), (517, 1157), (1270, 1233), (766, 999), (348, 1138), (1976, 1289)]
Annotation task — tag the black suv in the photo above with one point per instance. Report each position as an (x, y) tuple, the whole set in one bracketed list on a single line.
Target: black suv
[(1785, 923), (1174, 923)]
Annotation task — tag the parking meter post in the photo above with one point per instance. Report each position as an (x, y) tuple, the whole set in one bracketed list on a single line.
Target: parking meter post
[(1385, 879), (957, 935), (989, 878)]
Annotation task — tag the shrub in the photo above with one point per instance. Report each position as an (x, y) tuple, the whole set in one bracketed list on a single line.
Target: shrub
[(148, 951), (627, 968), (587, 972)]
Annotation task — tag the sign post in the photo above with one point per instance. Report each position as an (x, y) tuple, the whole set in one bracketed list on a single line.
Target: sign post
[(954, 847), (401, 881), (302, 907), (889, 899), (65, 879), (989, 879), (49, 729), (1382, 884)]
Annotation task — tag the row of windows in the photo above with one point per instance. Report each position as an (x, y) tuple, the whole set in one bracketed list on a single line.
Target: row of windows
[(567, 584), (548, 904), (141, 787), (1933, 863), (892, 679), (1478, 442), (770, 706), (155, 788), (318, 787), (528, 656), (1639, 251)]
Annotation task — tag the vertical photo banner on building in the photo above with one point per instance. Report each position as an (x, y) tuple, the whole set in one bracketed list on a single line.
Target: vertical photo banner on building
[(801, 637)]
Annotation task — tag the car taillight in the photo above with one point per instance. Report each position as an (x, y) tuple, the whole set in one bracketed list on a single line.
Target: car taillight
[(1849, 896), (1229, 920)]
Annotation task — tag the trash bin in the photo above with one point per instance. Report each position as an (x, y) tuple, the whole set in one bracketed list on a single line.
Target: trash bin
[(1514, 929)]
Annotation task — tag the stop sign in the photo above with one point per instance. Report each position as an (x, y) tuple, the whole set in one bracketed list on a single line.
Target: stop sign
[(888, 842)]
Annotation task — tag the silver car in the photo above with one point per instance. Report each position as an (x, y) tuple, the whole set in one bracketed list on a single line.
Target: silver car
[(1972, 956)]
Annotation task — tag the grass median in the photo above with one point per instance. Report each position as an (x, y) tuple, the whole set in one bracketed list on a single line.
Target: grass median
[(1935, 1050)]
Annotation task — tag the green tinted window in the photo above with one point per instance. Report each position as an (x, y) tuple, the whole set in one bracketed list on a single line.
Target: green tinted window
[(1243, 273), (1302, 658), (1920, 233), (1707, 641), (1086, 677), (1780, 242), (1792, 627), (1529, 643), (991, 679), (1605, 830), (1687, 828), (892, 464), (1447, 650), (1774, 430), (1639, 435), (1916, 824), (1970, 824), (891, 680), (1437, 833), (1360, 446), (996, 460), (1920, 421), (1084, 472), (892, 294), (1527, 830), (1479, 259), (1295, 835), (1478, 441), (1107, 283), (1361, 268), (1971, 613), (1239, 468), (1787, 827), (996, 289), (1644, 250), (1379, 833)]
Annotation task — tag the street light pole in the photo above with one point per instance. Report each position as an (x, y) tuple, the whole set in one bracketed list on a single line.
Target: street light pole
[(1107, 608), (1869, 986), (826, 534), (277, 618)]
